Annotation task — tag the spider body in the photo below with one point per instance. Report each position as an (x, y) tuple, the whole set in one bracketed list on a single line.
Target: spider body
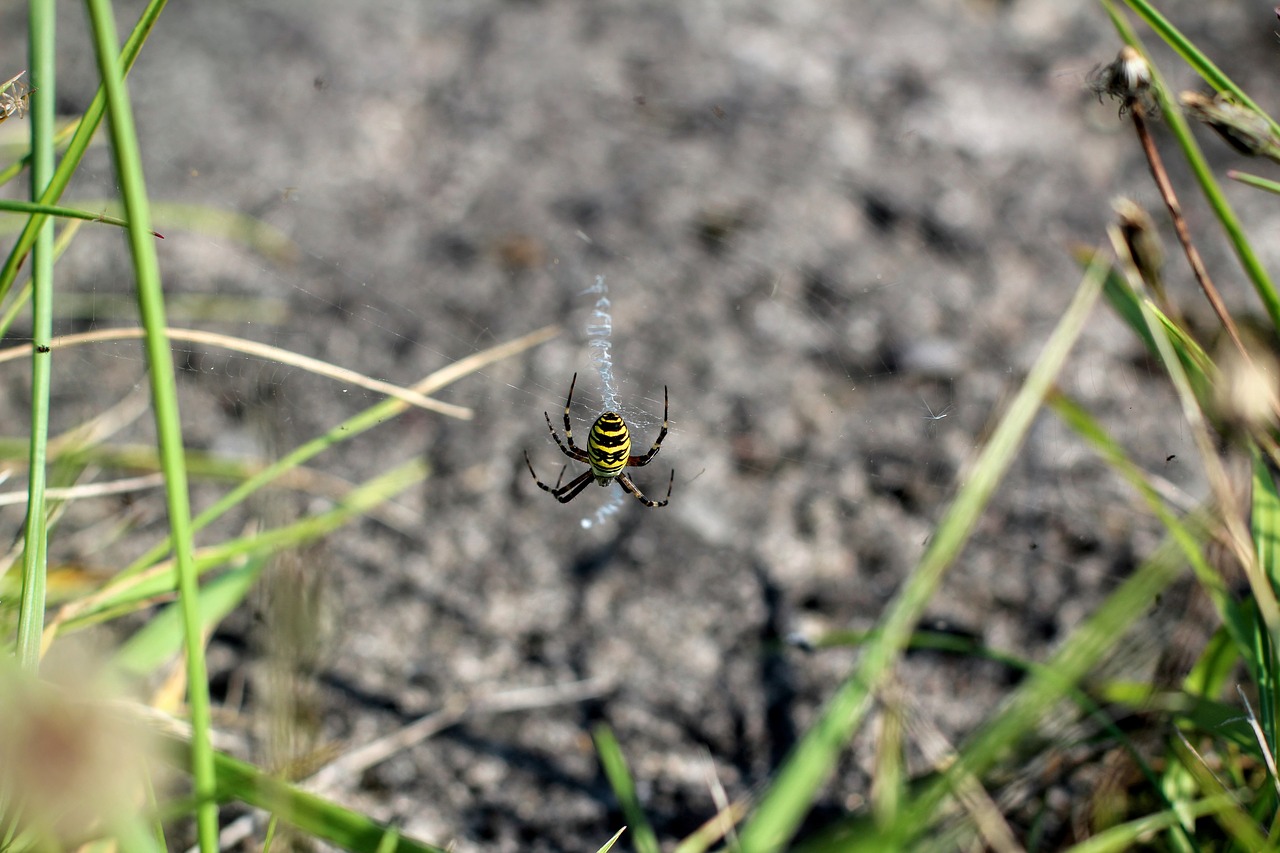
[(608, 447), (608, 453)]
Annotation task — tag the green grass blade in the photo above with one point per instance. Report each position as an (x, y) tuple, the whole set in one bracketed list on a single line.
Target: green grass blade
[(608, 845), (327, 821), (624, 788), (1120, 296), (1265, 525), (43, 55), (1254, 181), (1128, 305), (1215, 667), (54, 210), (161, 638), (805, 770), (164, 401)]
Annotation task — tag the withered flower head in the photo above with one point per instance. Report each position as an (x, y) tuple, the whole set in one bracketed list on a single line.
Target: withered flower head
[(1127, 79), (1142, 240), (1243, 129)]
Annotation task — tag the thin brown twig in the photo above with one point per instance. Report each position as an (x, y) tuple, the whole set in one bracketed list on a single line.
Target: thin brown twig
[(1163, 183), (1180, 226)]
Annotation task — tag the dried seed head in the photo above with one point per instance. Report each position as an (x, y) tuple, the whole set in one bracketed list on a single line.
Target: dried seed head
[(1143, 242), (1127, 79), (1244, 130)]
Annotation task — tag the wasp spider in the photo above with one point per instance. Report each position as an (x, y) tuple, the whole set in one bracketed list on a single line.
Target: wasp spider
[(608, 453)]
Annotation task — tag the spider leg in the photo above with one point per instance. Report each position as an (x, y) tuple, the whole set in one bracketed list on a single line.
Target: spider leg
[(541, 484), (568, 427), (631, 489), (575, 486), (637, 461), (562, 494), (531, 471), (572, 451)]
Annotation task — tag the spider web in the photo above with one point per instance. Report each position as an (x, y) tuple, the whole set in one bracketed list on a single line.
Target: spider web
[(837, 324), (839, 258)]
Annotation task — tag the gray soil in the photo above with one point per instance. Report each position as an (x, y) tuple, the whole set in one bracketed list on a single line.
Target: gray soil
[(823, 226)]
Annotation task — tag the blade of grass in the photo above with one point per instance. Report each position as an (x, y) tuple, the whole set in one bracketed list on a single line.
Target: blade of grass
[(161, 638), (125, 594), (1265, 523), (327, 821), (217, 224), (14, 206), (1126, 302), (1215, 667), (788, 799), (1254, 181), (164, 401), (43, 52), (612, 841), (624, 788), (715, 829), (889, 783)]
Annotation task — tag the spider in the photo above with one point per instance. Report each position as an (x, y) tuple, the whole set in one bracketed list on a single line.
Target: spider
[(608, 453)]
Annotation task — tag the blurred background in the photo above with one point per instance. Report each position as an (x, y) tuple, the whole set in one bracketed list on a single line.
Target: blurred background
[(837, 233)]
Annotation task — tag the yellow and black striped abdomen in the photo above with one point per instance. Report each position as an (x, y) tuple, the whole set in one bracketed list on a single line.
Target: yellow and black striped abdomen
[(608, 447)]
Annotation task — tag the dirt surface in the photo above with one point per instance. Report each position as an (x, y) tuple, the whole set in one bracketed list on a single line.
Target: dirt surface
[(838, 233)]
